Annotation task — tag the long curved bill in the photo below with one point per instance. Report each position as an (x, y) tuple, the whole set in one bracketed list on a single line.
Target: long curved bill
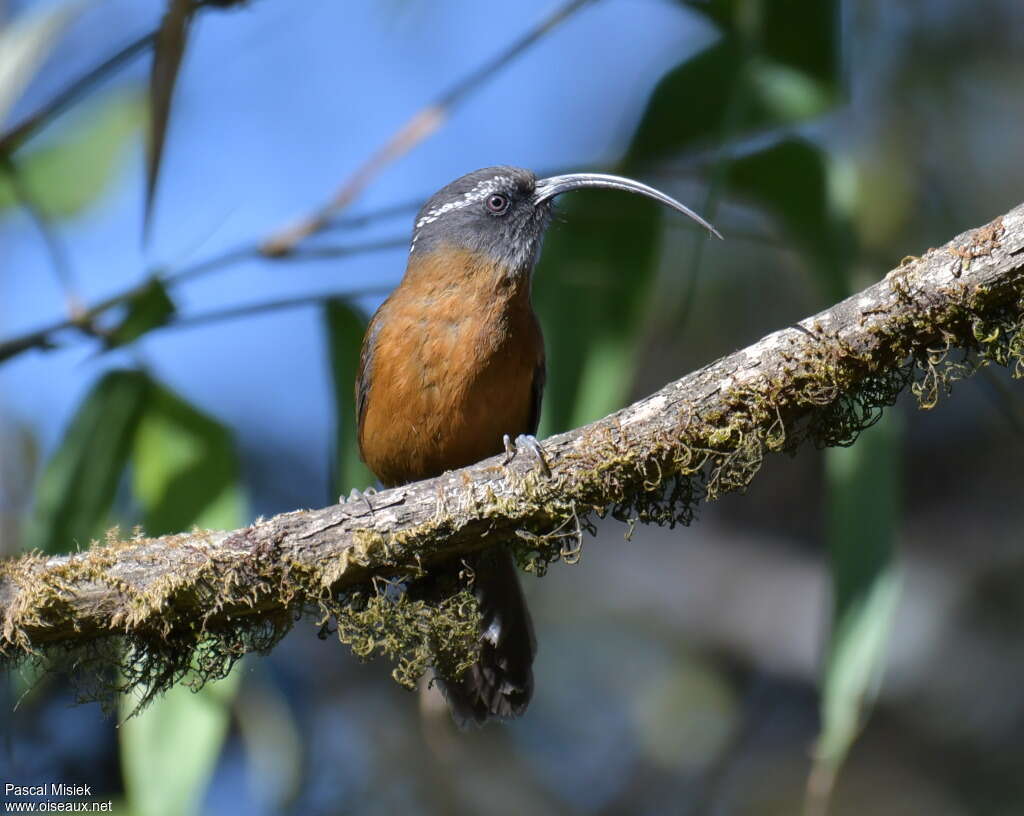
[(556, 185)]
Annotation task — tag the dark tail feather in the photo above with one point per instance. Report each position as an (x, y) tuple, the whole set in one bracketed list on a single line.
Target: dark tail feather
[(500, 683)]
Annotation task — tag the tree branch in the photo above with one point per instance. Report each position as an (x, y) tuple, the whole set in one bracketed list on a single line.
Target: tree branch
[(423, 124), (930, 321)]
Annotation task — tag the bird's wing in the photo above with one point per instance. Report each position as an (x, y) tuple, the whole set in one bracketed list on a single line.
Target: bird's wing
[(365, 375), (540, 377)]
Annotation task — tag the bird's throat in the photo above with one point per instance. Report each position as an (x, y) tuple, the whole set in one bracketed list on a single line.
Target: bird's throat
[(474, 276)]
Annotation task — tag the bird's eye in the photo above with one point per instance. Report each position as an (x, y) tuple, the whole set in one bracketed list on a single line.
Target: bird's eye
[(497, 203)]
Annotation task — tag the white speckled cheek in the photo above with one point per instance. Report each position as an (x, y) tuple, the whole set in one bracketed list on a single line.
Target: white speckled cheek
[(478, 193)]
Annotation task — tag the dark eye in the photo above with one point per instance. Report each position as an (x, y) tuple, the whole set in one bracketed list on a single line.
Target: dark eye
[(497, 203)]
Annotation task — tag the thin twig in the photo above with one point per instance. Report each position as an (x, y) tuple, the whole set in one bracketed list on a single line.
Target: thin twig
[(364, 219), (58, 255), (24, 130), (424, 123), (20, 133), (43, 338), (320, 253), (249, 309)]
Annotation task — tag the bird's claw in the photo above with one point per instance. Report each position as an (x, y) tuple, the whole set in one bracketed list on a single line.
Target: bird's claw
[(529, 442), (359, 495)]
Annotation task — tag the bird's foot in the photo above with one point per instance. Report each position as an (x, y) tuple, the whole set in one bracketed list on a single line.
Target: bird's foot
[(359, 495), (530, 443)]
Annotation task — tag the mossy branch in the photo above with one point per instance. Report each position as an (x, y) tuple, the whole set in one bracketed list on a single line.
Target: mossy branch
[(194, 602)]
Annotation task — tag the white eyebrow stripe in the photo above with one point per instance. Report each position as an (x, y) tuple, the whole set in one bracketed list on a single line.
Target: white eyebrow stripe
[(478, 193)]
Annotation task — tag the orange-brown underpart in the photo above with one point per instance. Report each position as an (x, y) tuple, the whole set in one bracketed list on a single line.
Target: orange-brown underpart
[(454, 357)]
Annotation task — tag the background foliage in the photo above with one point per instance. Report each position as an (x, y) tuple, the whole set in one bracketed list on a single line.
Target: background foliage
[(197, 381)]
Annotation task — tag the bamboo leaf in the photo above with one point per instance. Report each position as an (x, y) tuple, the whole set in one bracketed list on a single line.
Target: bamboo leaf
[(764, 72), (790, 180), (593, 281), (24, 46), (185, 474), (345, 326), (794, 181), (148, 310), (185, 470), (168, 52), (170, 750), (76, 491), (864, 488), (67, 176)]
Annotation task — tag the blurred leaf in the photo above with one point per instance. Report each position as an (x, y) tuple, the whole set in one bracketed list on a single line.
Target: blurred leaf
[(694, 102), (684, 713), (24, 46), (77, 487), (170, 750), (801, 34), (147, 310), (19, 466), (794, 182), (790, 181), (185, 468), (28, 683), (185, 474), (720, 12), (273, 743), (793, 95), (864, 489), (346, 326), (591, 289), (66, 177), (170, 45), (777, 63)]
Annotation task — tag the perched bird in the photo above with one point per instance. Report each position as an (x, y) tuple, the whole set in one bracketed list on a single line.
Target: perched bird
[(452, 369)]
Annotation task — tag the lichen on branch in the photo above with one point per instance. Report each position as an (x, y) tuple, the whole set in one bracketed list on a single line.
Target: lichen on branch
[(151, 612)]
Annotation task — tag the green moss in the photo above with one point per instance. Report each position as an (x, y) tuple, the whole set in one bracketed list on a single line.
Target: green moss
[(414, 634), (827, 394)]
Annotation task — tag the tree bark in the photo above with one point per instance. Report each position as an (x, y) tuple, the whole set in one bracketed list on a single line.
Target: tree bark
[(821, 380)]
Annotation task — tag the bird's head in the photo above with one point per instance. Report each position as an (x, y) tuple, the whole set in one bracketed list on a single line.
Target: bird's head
[(502, 213)]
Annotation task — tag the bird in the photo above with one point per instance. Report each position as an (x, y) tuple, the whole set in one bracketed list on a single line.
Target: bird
[(452, 369)]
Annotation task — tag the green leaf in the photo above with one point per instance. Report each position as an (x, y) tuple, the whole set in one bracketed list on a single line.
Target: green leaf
[(185, 474), (695, 103), (591, 289), (777, 63), (273, 741), (793, 95), (864, 491), (794, 182), (790, 180), (77, 487), (346, 326), (184, 466), (803, 35), (67, 176), (800, 34), (24, 46), (147, 310), (168, 52), (170, 750)]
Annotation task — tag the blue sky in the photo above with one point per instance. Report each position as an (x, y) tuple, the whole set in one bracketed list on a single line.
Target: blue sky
[(276, 105)]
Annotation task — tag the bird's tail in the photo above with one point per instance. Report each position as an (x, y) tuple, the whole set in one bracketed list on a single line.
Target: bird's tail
[(500, 683)]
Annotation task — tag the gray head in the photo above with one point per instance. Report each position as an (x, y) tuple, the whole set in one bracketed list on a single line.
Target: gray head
[(503, 212)]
